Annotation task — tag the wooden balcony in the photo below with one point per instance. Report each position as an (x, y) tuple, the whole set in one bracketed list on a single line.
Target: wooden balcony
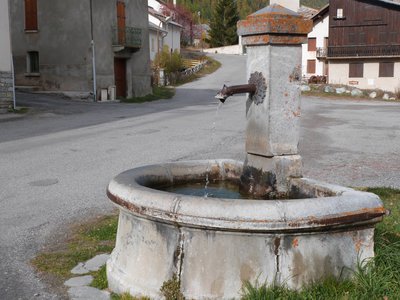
[(364, 51), (129, 38)]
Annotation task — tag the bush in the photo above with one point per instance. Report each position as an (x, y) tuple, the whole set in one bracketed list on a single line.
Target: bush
[(171, 62)]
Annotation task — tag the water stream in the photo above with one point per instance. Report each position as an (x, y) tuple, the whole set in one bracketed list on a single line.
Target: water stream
[(213, 135)]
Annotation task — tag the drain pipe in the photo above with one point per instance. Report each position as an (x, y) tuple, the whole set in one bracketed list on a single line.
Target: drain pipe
[(13, 83), (93, 53), (12, 60)]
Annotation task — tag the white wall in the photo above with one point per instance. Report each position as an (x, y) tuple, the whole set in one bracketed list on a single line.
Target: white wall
[(339, 74), (320, 32), (5, 48), (173, 38)]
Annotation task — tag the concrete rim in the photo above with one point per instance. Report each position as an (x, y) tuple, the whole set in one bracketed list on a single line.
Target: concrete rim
[(348, 208)]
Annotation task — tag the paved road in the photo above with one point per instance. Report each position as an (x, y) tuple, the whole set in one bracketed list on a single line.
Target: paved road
[(56, 162)]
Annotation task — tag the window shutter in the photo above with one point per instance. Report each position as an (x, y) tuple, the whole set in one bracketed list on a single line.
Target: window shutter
[(311, 66), (31, 22)]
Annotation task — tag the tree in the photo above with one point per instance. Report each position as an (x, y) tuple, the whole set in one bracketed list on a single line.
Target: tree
[(223, 24), (183, 16)]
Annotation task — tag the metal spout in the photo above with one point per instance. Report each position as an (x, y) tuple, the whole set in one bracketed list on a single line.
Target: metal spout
[(228, 91)]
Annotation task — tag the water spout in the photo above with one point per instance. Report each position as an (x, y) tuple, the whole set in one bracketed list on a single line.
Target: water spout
[(228, 91)]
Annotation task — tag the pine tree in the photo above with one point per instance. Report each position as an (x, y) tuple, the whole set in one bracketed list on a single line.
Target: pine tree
[(223, 24)]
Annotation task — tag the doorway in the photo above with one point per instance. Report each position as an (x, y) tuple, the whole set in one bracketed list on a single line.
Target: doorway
[(120, 77)]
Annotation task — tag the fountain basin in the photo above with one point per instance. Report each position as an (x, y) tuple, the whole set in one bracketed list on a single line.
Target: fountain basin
[(213, 245)]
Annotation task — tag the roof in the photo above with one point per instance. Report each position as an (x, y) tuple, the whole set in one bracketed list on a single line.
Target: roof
[(161, 17), (275, 9), (154, 27), (323, 11), (307, 12), (394, 2)]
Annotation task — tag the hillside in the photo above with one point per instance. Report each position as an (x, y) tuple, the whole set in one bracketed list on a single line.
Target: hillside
[(245, 7)]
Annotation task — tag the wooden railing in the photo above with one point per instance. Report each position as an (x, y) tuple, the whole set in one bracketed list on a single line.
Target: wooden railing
[(364, 51)]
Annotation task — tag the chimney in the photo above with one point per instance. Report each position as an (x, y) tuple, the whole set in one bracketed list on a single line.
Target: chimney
[(293, 5)]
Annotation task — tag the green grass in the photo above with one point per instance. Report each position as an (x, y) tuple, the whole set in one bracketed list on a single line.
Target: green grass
[(375, 279), (100, 279), (85, 241), (19, 110), (158, 93)]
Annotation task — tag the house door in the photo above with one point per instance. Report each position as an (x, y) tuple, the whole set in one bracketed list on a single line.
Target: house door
[(120, 76), (121, 22)]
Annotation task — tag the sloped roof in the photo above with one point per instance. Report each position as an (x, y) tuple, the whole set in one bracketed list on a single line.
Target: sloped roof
[(274, 9), (323, 11), (307, 12)]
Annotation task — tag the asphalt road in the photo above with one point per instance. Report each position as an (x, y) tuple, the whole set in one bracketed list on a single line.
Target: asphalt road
[(56, 162)]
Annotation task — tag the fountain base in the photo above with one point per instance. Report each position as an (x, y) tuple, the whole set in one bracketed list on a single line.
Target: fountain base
[(213, 245)]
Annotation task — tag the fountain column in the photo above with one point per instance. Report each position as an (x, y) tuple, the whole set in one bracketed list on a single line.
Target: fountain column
[(273, 37)]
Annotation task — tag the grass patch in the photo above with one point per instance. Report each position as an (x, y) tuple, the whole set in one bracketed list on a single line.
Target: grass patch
[(84, 242), (100, 279), (159, 92), (376, 279), (127, 296), (19, 110)]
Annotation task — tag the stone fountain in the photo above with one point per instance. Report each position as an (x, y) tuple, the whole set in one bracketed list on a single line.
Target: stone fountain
[(301, 232)]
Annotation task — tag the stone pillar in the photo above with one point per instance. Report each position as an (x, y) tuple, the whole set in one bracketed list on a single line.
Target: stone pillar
[(6, 81), (273, 37)]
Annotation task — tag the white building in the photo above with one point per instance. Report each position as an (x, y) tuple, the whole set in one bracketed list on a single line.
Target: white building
[(163, 31), (314, 61), (6, 80)]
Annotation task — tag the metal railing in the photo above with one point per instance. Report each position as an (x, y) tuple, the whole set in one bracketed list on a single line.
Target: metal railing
[(129, 37), (322, 52), (364, 51)]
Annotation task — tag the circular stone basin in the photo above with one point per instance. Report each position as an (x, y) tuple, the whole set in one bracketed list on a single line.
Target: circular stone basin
[(213, 245)]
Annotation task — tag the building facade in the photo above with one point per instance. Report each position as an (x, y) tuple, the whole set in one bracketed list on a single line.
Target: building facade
[(364, 44), (6, 80), (314, 62), (53, 49), (163, 31)]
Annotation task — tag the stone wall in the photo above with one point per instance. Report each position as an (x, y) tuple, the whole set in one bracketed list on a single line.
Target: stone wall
[(6, 91)]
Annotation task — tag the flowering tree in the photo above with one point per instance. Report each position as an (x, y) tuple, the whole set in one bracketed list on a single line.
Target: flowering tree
[(181, 16)]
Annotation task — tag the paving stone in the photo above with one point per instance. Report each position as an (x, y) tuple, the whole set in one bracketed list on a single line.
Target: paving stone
[(96, 262), (80, 269), (93, 264), (87, 293), (79, 281)]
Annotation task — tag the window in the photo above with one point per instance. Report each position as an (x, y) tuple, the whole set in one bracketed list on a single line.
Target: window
[(311, 66), (356, 70), (339, 13), (312, 44), (386, 69), (32, 62), (31, 22)]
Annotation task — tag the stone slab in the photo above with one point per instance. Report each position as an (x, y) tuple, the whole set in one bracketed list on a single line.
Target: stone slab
[(79, 281), (87, 293), (93, 264)]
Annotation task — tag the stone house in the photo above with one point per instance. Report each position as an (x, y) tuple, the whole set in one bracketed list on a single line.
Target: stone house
[(364, 43), (6, 82), (96, 46)]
